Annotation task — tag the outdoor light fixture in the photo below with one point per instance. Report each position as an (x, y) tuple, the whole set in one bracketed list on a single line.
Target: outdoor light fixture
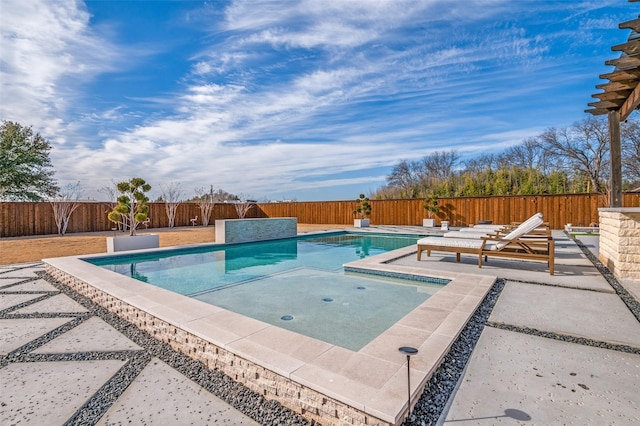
[(409, 352)]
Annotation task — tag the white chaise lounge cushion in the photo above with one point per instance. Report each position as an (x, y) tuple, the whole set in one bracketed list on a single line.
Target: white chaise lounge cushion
[(527, 226), (480, 230), (465, 243), (482, 227), (459, 234)]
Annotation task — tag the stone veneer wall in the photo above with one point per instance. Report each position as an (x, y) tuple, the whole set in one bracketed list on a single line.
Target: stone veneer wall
[(620, 241), (232, 231), (301, 399)]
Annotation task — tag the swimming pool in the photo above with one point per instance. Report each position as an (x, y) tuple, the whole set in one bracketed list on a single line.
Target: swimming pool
[(298, 284), (327, 383)]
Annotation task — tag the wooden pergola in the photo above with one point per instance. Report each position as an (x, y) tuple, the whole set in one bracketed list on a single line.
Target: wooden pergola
[(620, 98)]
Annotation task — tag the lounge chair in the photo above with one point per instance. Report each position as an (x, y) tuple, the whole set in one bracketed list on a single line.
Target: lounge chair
[(482, 230), (523, 242), (490, 228), (542, 231), (478, 233)]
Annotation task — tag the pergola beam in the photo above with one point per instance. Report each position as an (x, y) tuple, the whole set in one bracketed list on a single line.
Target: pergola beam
[(606, 104), (628, 75), (630, 48), (616, 87), (624, 62), (630, 104), (611, 96), (634, 25)]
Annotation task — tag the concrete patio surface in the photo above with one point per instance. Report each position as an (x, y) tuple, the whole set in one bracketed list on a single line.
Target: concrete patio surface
[(57, 358), (515, 378), (561, 349)]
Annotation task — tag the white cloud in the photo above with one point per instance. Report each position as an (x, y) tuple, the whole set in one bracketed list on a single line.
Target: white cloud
[(48, 49)]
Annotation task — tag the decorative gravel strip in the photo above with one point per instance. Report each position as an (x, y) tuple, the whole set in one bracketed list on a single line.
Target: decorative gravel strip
[(42, 315), (595, 290), (627, 298), (566, 338), (252, 404), (79, 356)]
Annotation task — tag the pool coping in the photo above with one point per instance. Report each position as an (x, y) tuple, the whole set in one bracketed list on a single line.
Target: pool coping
[(323, 382)]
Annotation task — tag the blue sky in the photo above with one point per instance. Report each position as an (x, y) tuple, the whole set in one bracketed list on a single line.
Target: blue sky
[(304, 100)]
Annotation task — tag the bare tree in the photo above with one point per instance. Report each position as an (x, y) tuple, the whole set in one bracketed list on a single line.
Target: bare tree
[(529, 154), (171, 194), (481, 164), (243, 206), (439, 165), (64, 203), (582, 148), (206, 201), (405, 176)]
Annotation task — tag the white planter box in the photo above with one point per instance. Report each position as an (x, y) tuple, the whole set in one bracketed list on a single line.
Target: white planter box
[(361, 223), (429, 223), (136, 242)]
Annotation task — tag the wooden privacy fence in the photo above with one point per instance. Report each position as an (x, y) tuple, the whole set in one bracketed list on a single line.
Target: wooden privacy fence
[(18, 219)]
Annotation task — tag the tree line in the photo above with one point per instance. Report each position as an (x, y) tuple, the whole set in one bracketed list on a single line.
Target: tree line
[(573, 159)]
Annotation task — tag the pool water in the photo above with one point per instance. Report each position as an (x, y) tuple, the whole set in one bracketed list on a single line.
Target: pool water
[(297, 284)]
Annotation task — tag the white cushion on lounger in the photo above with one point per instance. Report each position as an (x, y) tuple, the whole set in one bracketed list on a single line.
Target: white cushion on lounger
[(479, 230), (489, 227), (458, 234), (467, 243)]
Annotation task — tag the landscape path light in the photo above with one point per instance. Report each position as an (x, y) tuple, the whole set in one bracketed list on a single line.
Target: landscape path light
[(409, 352)]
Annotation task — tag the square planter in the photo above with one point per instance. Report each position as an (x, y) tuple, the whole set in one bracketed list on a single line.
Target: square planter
[(361, 223), (429, 223), (136, 242)]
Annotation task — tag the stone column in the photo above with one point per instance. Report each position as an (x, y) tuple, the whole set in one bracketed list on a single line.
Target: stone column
[(620, 241)]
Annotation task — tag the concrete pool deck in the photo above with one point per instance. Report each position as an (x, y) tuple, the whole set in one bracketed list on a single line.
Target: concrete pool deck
[(511, 373)]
